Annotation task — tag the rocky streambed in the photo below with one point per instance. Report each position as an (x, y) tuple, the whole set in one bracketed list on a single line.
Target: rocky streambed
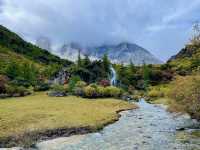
[(150, 127)]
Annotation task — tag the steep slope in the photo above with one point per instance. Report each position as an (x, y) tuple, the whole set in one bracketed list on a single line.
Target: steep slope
[(7, 56), (121, 53), (187, 60), (189, 51), (14, 43)]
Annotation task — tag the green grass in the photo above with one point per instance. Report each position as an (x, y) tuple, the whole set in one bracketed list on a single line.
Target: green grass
[(8, 56), (40, 113)]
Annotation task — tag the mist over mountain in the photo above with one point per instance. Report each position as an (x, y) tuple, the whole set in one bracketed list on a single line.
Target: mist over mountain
[(120, 53), (44, 43)]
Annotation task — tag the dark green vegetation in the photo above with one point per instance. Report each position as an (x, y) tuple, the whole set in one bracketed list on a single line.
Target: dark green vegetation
[(141, 77), (91, 71), (16, 44), (23, 65)]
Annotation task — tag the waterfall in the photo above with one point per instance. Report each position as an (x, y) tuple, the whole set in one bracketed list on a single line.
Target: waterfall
[(113, 76)]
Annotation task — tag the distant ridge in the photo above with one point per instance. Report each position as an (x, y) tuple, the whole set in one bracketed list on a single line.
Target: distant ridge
[(121, 53)]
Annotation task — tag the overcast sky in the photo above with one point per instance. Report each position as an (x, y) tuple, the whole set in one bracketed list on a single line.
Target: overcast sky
[(160, 26)]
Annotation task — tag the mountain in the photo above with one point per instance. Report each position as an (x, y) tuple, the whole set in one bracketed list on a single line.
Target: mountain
[(13, 43), (71, 51), (121, 53)]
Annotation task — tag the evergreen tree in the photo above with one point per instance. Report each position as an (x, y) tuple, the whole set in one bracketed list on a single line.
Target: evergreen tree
[(79, 61), (86, 61), (12, 70), (122, 76), (146, 74), (131, 74), (106, 65), (132, 67)]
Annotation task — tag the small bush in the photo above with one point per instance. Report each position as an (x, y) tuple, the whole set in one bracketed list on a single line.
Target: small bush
[(155, 93), (95, 91), (72, 83), (42, 87), (17, 91), (3, 82), (101, 91), (58, 91), (58, 88), (81, 84), (112, 91), (90, 92), (20, 81), (78, 91), (94, 85), (104, 83)]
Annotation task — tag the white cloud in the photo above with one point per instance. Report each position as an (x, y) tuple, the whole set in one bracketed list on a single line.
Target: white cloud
[(156, 25)]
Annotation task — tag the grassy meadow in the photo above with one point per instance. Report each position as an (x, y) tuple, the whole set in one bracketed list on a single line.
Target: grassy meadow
[(38, 113)]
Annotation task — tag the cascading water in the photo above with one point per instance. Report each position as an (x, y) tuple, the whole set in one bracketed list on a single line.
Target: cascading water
[(113, 76)]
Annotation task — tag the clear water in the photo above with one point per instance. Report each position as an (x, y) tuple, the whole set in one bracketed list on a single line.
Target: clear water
[(150, 127)]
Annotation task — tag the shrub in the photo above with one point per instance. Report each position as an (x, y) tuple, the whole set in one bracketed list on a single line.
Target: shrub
[(112, 91), (58, 88), (72, 83), (42, 87), (104, 83), (90, 92), (94, 85), (101, 91), (20, 81), (81, 84), (22, 91), (10, 90), (155, 93), (79, 88), (78, 91), (185, 93), (57, 91), (3, 82), (13, 90)]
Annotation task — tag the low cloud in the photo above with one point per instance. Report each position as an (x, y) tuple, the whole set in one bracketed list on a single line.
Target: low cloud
[(162, 27)]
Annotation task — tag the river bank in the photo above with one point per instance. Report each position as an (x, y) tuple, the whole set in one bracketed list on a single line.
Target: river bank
[(150, 127)]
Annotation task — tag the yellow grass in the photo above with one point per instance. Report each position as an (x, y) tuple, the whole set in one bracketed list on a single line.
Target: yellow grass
[(164, 101), (40, 112)]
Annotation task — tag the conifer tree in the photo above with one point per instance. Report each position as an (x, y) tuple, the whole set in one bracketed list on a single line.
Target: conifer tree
[(106, 65), (146, 73), (79, 61)]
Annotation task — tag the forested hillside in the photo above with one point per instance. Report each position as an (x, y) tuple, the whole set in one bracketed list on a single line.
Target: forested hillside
[(16, 44), (23, 65)]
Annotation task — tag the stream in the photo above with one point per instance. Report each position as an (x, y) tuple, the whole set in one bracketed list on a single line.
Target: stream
[(150, 127)]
